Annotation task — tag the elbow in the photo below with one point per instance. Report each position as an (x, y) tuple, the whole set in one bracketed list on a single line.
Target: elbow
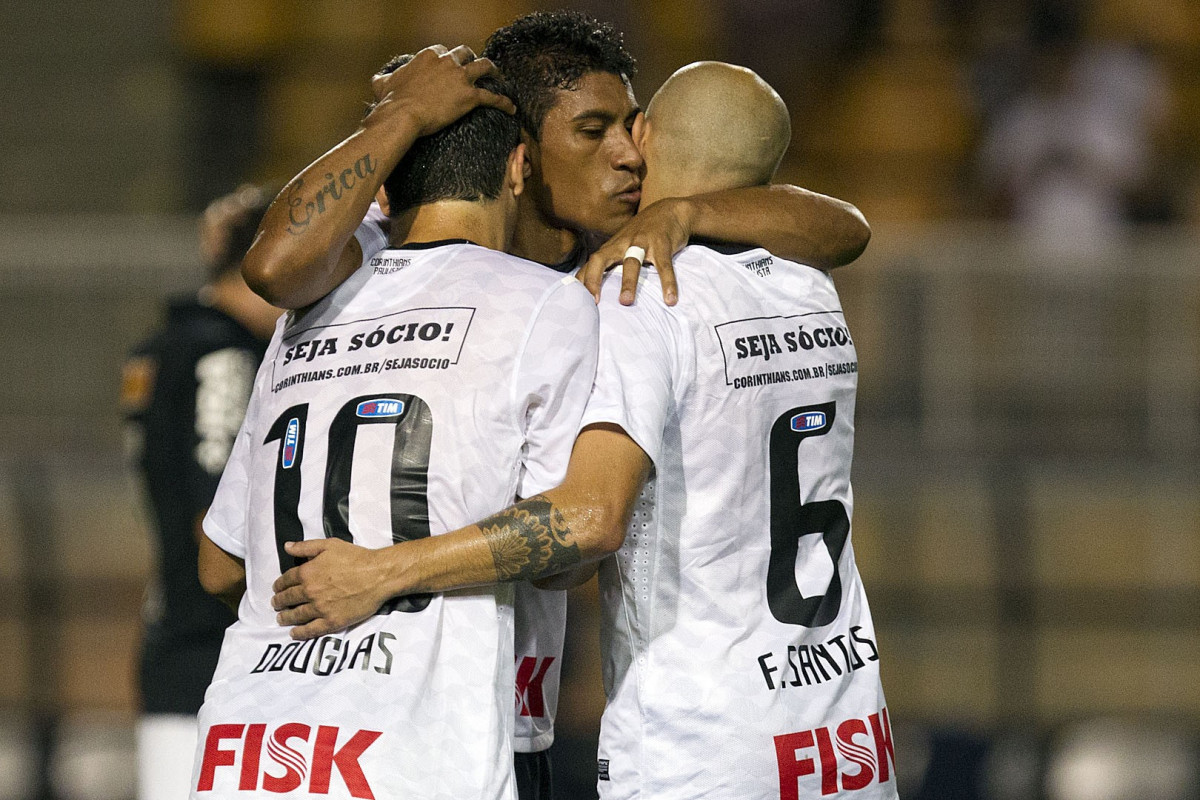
[(608, 535), (854, 238), (266, 275), (221, 575), (595, 526), (861, 236), (219, 586)]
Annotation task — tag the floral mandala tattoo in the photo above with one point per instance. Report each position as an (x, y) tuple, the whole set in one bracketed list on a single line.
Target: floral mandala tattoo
[(530, 540)]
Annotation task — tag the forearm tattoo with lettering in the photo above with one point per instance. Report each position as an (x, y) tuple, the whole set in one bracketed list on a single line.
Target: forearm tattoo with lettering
[(530, 540), (302, 209)]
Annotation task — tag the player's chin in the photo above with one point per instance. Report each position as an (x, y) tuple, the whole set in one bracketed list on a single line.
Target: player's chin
[(615, 217)]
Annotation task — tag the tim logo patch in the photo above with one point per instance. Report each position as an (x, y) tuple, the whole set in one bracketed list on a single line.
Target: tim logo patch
[(291, 442), (809, 422), (382, 408)]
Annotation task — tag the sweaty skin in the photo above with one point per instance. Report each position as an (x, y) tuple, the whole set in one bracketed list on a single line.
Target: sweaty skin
[(558, 537), (585, 173)]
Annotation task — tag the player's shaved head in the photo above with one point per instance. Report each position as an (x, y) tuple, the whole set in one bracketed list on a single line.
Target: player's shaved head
[(713, 126)]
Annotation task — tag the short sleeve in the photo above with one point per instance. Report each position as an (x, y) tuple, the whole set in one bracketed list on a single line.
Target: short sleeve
[(225, 522), (634, 374), (554, 377)]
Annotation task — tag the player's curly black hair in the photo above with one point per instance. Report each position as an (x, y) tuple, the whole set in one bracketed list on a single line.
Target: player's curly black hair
[(463, 161), (545, 51)]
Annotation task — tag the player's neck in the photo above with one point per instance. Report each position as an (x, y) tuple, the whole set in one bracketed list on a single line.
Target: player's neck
[(485, 223), (670, 184), (537, 240)]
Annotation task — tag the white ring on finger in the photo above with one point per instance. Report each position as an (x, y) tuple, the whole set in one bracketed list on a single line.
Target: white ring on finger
[(636, 253)]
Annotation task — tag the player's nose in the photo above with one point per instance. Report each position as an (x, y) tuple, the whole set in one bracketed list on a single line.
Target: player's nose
[(626, 156)]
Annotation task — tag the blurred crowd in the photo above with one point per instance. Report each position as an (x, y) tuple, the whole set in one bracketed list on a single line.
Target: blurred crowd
[(1074, 119)]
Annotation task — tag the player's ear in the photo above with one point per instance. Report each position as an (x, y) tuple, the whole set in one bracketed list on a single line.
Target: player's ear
[(639, 132), (532, 150), (518, 169), (381, 198)]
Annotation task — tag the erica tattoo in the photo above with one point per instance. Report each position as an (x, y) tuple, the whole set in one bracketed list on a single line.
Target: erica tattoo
[(301, 209), (530, 540)]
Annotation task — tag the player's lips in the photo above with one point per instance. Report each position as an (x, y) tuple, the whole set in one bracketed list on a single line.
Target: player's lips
[(632, 195)]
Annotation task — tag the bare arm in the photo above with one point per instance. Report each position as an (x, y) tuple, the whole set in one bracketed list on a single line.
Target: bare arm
[(791, 222), (221, 574), (575, 524), (305, 245)]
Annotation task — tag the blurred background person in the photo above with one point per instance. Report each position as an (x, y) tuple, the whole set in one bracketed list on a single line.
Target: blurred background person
[(1071, 158), (184, 393)]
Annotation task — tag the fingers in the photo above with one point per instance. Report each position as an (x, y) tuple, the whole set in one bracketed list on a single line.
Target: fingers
[(462, 55), (592, 274), (308, 548), (313, 630), (291, 597), (299, 615), (631, 270), (485, 98), (288, 597), (286, 580), (479, 68), (661, 259)]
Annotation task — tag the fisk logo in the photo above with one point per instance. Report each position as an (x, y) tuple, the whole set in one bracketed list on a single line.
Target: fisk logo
[(225, 743), (384, 407), (531, 674), (868, 751), (809, 421), (291, 438)]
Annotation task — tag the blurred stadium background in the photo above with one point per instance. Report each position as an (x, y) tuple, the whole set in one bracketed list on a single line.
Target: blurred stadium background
[(1027, 318)]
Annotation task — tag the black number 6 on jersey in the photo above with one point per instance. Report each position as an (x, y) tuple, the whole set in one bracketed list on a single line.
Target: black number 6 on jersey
[(792, 520)]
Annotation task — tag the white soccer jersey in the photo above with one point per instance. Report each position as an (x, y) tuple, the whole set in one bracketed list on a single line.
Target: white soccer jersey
[(423, 394), (541, 624), (739, 655)]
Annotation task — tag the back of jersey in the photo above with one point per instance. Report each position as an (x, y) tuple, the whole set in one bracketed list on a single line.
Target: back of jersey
[(426, 392), (740, 656)]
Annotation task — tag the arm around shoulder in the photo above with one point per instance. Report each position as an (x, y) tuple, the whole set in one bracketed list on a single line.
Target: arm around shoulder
[(563, 530), (792, 222)]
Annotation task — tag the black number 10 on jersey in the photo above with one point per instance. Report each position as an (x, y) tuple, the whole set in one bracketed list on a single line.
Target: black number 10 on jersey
[(793, 520), (409, 473)]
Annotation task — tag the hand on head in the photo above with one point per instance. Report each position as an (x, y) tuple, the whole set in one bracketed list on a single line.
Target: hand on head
[(436, 86)]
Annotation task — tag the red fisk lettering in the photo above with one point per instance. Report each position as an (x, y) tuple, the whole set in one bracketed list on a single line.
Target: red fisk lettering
[(791, 769), (325, 755), (251, 757), (293, 763), (531, 700), (214, 756), (856, 754), (871, 765), (883, 742), (829, 765)]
